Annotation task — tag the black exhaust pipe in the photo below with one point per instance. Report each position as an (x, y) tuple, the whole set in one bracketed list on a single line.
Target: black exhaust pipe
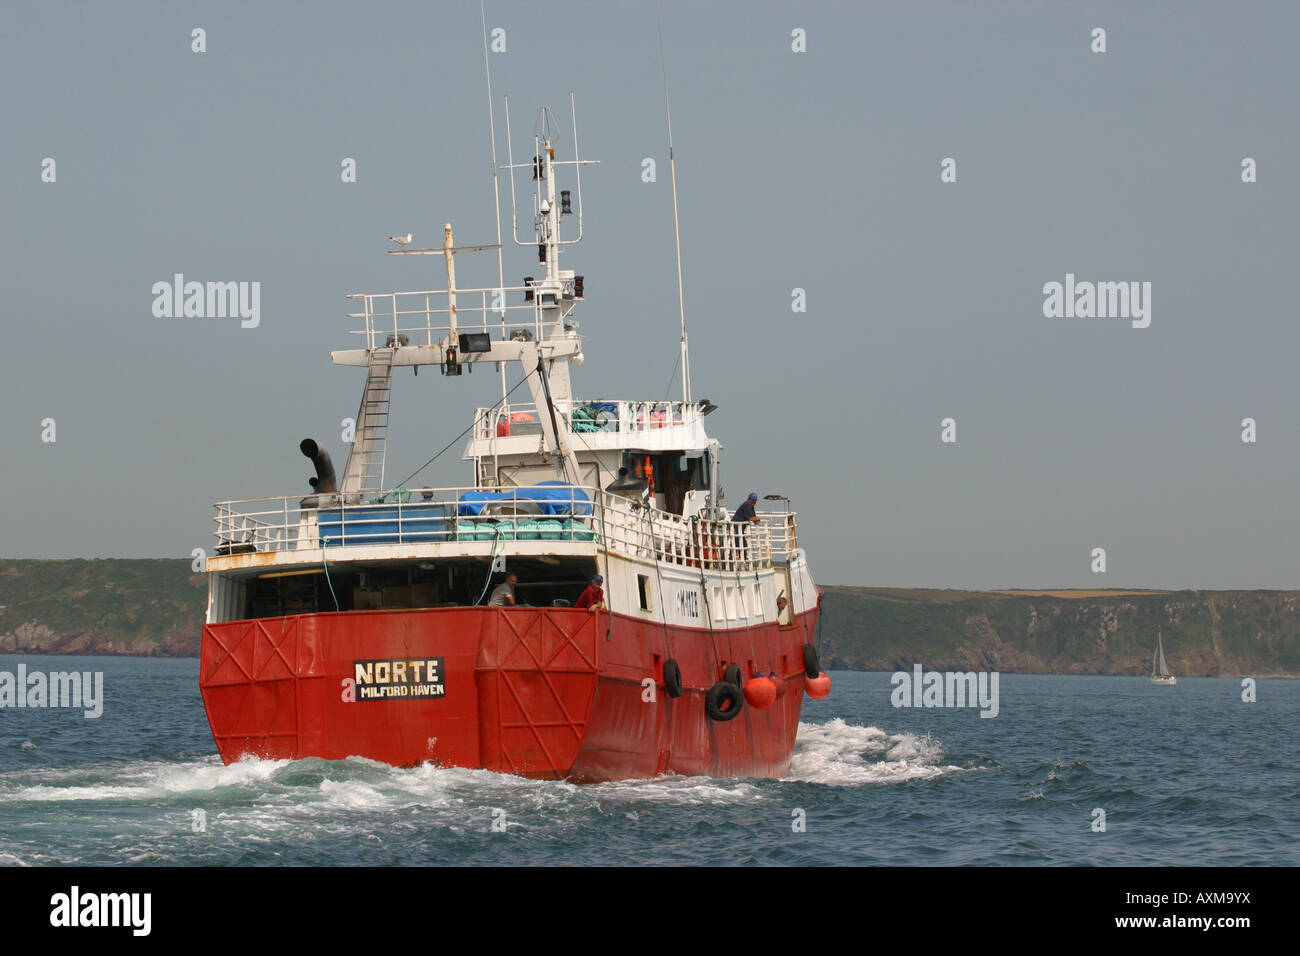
[(324, 482)]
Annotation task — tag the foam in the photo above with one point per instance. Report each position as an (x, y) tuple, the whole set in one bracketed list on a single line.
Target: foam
[(835, 753), (838, 753)]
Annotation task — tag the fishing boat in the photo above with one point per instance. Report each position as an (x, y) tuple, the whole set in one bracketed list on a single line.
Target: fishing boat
[(356, 619), (1159, 669)]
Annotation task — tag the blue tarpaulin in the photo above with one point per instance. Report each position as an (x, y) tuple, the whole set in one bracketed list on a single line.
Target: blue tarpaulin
[(551, 498)]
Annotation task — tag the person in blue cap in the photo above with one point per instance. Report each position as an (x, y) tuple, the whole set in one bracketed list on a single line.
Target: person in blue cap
[(746, 511), (745, 514), (594, 596)]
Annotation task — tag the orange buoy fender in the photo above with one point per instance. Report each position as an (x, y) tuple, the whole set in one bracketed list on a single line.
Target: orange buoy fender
[(760, 692), (818, 687)]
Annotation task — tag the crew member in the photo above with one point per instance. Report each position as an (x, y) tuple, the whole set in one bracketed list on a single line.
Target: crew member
[(503, 595), (746, 516), (746, 511), (594, 596)]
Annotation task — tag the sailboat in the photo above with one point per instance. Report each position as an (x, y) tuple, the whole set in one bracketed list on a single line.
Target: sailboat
[(1159, 669)]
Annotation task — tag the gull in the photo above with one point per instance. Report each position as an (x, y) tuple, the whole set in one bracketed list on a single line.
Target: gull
[(402, 241)]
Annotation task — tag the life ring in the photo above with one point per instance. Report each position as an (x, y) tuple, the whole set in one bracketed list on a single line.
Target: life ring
[(811, 665), (731, 674), (672, 678), (723, 691)]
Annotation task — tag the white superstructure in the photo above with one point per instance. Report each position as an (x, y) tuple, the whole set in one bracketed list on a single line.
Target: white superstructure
[(657, 531)]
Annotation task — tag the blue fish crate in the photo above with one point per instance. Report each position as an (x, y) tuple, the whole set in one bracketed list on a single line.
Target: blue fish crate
[(386, 524)]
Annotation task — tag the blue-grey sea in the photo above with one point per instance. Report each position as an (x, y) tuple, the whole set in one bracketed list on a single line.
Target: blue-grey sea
[(1185, 775)]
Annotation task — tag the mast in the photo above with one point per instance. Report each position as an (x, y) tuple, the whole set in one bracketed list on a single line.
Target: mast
[(496, 189), (545, 346), (677, 231)]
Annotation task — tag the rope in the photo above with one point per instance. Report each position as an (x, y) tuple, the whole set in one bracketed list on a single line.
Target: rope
[(501, 401), (673, 377), (708, 613), (496, 536), (604, 540), (324, 544), (663, 599)]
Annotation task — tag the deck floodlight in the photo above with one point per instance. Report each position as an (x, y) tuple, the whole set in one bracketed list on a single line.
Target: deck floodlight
[(475, 342), (707, 406)]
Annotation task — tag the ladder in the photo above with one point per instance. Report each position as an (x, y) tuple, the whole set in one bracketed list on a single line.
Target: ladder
[(365, 470)]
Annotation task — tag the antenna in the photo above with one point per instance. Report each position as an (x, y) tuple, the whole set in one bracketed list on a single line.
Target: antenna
[(496, 189), (573, 113), (677, 231), (510, 165)]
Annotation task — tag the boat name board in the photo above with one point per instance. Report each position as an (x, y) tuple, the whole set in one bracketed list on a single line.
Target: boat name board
[(403, 679)]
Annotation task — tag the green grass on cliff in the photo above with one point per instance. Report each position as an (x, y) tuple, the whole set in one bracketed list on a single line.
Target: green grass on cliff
[(1206, 633), (140, 606), (156, 606)]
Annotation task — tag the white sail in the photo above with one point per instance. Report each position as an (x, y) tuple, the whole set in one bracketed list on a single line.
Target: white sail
[(1159, 668)]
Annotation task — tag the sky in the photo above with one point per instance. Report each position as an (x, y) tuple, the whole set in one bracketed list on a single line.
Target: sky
[(811, 142)]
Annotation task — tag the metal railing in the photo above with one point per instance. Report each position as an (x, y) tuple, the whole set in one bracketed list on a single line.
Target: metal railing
[(711, 545), (587, 417), (559, 513), (405, 516), (424, 317)]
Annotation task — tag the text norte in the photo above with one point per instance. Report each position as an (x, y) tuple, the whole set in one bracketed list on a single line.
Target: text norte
[(389, 679)]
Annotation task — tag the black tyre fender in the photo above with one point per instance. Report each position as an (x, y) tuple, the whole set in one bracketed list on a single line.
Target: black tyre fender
[(672, 678), (723, 692), (731, 674), (811, 665)]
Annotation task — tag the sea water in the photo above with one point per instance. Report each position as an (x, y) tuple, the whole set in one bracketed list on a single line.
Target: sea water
[(1071, 771)]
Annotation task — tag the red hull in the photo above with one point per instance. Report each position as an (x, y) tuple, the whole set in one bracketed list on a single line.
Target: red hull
[(539, 692)]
